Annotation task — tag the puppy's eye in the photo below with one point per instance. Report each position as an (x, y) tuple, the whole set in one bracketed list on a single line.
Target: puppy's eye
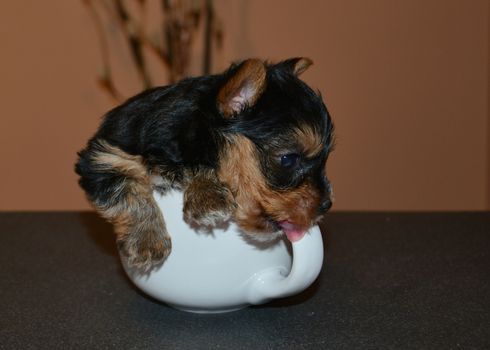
[(290, 160)]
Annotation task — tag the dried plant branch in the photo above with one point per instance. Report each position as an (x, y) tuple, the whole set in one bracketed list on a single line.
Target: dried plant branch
[(105, 78), (133, 37), (150, 44), (180, 23)]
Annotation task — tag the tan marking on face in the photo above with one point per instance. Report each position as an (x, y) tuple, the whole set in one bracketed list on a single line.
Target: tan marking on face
[(310, 140), (255, 200)]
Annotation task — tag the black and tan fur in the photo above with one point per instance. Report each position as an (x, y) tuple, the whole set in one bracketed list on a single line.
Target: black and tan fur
[(250, 145)]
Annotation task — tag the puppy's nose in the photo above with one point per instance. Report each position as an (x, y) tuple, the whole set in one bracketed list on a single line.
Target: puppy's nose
[(325, 205)]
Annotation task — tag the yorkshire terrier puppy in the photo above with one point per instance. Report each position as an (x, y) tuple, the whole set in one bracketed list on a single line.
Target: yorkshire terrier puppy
[(249, 145)]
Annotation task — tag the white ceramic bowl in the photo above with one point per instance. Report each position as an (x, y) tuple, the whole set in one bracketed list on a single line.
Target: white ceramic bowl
[(222, 270)]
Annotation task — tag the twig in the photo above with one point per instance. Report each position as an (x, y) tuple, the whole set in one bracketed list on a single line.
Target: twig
[(180, 21), (105, 79), (134, 42)]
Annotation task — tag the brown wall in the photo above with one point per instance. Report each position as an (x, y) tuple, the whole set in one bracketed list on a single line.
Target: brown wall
[(406, 81)]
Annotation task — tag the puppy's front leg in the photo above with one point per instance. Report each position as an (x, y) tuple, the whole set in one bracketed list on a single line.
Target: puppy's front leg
[(119, 186), (207, 201)]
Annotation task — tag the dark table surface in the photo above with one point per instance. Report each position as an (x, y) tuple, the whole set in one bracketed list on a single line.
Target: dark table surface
[(389, 281)]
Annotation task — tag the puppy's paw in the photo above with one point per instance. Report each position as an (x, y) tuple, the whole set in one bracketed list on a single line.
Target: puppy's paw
[(208, 209), (145, 250), (207, 220)]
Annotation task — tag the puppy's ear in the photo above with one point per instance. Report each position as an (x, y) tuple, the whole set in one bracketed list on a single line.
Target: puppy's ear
[(296, 65), (243, 88)]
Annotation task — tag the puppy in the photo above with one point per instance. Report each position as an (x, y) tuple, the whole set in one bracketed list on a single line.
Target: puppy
[(249, 145)]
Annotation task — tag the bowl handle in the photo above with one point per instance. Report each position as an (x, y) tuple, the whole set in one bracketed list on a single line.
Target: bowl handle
[(276, 283)]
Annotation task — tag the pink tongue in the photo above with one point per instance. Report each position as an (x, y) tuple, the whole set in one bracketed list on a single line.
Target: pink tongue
[(293, 233)]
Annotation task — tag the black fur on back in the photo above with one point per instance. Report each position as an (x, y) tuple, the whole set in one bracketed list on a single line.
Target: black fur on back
[(180, 127)]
